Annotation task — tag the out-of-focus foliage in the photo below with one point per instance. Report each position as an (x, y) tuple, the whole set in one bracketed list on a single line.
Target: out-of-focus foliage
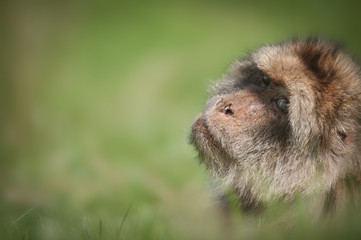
[(96, 102)]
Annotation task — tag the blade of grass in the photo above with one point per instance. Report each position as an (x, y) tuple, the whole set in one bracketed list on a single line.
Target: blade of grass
[(85, 233), (123, 220), (100, 229), (21, 217)]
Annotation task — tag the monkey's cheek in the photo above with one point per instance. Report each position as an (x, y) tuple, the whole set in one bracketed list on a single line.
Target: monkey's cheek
[(221, 127)]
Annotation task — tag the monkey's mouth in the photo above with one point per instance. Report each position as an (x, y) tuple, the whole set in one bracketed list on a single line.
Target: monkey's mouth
[(201, 136), (200, 130), (210, 150)]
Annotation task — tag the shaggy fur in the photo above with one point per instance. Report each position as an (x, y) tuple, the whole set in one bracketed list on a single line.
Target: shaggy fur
[(284, 121)]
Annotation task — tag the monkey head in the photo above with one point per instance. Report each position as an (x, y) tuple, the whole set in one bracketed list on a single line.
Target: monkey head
[(284, 120)]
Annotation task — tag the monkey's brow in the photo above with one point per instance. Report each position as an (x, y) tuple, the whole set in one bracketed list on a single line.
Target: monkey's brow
[(253, 74)]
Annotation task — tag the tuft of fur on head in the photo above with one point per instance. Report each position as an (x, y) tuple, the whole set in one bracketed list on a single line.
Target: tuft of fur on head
[(264, 153)]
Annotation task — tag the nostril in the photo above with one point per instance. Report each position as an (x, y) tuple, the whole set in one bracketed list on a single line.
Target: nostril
[(227, 110)]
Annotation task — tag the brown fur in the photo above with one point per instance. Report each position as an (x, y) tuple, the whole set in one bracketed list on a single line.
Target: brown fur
[(264, 152)]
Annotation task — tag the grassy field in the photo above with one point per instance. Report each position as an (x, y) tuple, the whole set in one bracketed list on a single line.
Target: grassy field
[(97, 100)]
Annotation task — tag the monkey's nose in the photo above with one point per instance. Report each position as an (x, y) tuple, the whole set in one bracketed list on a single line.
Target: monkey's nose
[(228, 110), (224, 107)]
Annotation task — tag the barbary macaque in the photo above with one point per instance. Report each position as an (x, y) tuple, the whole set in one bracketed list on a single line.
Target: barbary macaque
[(285, 121)]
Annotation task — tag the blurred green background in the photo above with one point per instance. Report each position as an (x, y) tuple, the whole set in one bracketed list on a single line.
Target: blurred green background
[(97, 99)]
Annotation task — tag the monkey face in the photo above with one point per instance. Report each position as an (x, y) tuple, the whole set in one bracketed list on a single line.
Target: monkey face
[(280, 119)]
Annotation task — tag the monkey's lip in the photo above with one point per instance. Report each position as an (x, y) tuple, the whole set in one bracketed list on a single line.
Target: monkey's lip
[(201, 134), (199, 126)]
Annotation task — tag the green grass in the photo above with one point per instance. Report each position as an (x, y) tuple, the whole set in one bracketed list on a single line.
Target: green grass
[(97, 101)]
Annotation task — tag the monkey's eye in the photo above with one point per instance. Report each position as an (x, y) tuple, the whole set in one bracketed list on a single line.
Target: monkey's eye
[(266, 80), (282, 104)]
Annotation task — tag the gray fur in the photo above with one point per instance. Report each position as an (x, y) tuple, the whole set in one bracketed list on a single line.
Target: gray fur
[(266, 154)]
